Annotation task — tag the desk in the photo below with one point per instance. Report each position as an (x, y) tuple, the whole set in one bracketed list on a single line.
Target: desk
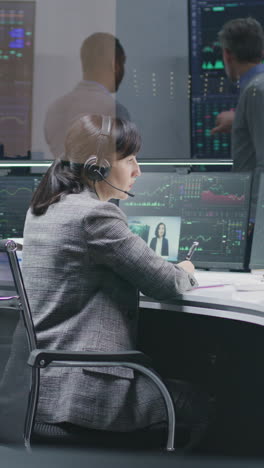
[(219, 301), (214, 336)]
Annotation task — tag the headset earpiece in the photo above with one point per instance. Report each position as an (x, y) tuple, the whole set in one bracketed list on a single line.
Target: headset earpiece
[(95, 172), (96, 168)]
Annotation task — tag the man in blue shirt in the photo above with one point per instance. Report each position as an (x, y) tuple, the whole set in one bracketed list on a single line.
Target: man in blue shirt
[(242, 41)]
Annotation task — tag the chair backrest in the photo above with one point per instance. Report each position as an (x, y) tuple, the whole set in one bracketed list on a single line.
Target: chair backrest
[(17, 340)]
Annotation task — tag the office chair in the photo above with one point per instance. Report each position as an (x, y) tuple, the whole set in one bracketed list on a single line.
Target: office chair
[(19, 385)]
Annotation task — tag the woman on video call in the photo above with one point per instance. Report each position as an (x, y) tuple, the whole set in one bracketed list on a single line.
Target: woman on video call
[(160, 243)]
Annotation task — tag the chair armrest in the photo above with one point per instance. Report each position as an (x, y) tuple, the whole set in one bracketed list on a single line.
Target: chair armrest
[(42, 358), (136, 360), (10, 302)]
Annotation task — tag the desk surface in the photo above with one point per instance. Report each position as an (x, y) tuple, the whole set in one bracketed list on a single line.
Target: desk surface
[(237, 296)]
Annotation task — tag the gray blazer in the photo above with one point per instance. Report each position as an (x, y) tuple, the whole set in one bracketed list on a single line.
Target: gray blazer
[(82, 268)]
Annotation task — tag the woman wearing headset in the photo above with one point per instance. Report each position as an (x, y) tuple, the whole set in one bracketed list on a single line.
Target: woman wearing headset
[(82, 269)]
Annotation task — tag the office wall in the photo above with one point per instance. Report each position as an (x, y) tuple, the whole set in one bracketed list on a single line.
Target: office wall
[(61, 26)]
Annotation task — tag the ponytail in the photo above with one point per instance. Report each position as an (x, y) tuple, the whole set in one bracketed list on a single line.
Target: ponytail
[(59, 180)]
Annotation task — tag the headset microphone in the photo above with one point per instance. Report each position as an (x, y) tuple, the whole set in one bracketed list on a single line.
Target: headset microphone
[(120, 190)]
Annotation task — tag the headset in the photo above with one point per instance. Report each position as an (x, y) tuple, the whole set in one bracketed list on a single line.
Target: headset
[(96, 168), (98, 172)]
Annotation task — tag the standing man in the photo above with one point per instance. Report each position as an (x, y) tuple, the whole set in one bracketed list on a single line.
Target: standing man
[(103, 65), (242, 42)]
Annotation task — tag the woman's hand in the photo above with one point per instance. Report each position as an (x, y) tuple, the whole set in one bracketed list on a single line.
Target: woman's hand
[(187, 266)]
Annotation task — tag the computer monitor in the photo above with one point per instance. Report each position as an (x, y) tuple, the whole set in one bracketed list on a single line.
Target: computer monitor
[(211, 208), (155, 86), (211, 90), (15, 196), (17, 24), (257, 250)]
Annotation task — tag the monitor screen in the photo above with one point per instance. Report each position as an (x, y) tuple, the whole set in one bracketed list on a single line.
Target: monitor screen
[(17, 20), (171, 211), (257, 250), (155, 85), (15, 196), (211, 90)]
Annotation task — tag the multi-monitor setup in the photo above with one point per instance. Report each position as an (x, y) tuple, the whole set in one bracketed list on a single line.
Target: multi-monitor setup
[(211, 208)]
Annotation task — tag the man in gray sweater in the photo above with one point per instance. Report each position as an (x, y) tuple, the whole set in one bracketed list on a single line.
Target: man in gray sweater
[(242, 41)]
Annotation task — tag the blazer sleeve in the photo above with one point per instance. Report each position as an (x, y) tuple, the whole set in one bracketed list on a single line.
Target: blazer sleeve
[(111, 243)]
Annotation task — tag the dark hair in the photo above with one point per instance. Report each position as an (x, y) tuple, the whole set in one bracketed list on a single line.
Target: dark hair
[(66, 176), (157, 229), (60, 179), (244, 37), (84, 138), (98, 49)]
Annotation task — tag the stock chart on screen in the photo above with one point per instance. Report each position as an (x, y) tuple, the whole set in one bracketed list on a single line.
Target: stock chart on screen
[(211, 208), (15, 196), (16, 76), (211, 91)]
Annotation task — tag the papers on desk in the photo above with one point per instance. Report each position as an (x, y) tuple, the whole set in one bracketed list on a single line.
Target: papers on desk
[(214, 279), (239, 281), (242, 287), (252, 297), (254, 284)]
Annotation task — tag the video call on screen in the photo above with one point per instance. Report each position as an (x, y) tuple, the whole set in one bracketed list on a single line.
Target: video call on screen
[(210, 208)]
